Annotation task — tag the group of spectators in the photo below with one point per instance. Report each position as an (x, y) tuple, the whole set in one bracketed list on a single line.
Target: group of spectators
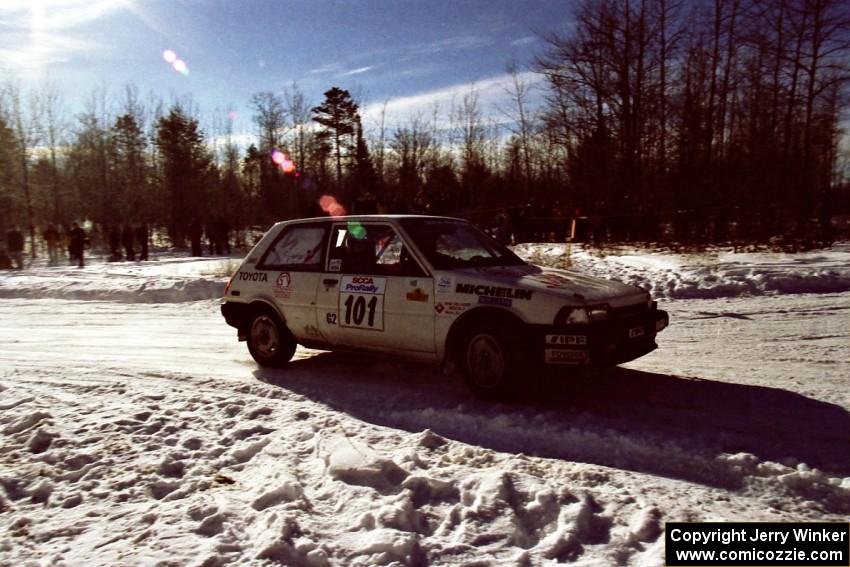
[(128, 238), (218, 237), (125, 242), (75, 240)]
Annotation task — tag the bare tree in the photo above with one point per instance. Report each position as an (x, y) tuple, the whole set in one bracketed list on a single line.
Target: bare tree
[(521, 116), (54, 131), (299, 114), (26, 124)]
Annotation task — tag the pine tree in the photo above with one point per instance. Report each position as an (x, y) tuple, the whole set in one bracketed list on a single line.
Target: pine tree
[(186, 165), (339, 115)]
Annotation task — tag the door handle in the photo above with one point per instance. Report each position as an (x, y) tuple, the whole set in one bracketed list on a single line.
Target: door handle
[(330, 282)]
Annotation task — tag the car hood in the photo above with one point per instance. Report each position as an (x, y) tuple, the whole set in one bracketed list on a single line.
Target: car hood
[(551, 281)]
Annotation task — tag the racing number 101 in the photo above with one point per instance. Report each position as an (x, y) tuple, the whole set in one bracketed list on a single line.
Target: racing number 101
[(356, 309)]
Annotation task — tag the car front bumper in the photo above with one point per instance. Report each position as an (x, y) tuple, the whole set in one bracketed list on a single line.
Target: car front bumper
[(602, 343)]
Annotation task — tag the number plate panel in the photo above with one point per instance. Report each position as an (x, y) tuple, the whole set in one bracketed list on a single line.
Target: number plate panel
[(361, 302)]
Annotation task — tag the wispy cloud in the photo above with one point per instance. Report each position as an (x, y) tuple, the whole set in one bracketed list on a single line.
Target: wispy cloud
[(457, 43), (47, 49), (524, 40), (35, 34), (491, 92), (325, 69), (357, 71), (56, 14)]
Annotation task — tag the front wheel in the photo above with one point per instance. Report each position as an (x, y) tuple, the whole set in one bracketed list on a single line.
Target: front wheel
[(487, 360), (269, 341)]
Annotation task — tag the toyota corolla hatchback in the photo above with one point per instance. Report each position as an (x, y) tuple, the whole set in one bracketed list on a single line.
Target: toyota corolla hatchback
[(430, 288)]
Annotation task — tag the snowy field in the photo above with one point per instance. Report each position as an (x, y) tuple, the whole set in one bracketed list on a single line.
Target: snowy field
[(136, 430)]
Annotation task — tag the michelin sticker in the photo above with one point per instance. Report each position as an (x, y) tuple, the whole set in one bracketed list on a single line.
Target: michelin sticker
[(500, 301), (493, 291)]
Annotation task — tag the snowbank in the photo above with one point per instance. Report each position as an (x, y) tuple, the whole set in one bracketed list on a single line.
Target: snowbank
[(711, 274), (666, 274), (166, 279)]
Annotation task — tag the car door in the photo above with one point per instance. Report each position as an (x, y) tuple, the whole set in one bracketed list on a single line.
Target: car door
[(373, 293), (293, 264)]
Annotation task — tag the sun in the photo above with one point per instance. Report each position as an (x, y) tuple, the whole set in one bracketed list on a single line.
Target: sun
[(46, 32)]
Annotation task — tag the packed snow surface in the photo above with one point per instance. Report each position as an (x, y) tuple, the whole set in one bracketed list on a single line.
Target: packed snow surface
[(136, 430)]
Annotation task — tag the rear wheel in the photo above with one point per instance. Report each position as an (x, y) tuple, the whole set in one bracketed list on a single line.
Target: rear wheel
[(487, 358), (269, 341)]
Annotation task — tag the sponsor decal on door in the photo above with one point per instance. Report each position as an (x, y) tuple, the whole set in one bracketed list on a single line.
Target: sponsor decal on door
[(361, 302)]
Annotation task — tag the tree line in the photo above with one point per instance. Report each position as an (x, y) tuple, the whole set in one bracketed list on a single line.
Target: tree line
[(645, 110)]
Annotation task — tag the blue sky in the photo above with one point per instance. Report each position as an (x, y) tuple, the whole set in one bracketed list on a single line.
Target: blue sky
[(408, 51)]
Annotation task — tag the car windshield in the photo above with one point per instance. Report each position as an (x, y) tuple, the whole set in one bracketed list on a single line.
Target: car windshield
[(450, 244)]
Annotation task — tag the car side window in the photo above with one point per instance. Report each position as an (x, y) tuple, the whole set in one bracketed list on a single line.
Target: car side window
[(373, 249), (298, 248)]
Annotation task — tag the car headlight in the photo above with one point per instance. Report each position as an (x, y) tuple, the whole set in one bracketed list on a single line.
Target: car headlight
[(597, 312), (572, 316)]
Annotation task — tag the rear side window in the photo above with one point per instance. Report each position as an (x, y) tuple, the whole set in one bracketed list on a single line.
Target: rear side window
[(298, 248)]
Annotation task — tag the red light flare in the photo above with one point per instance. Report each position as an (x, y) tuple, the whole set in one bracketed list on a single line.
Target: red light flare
[(331, 206), (283, 162)]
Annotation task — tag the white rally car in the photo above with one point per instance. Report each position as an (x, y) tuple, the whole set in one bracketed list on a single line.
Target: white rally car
[(434, 289)]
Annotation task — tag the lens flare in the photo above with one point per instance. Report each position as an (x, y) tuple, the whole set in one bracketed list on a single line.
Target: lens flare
[(356, 230), (171, 57), (330, 205), (283, 162), (232, 116), (180, 67)]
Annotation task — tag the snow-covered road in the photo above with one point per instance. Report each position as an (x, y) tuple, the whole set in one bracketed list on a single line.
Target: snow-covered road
[(142, 434), (131, 421)]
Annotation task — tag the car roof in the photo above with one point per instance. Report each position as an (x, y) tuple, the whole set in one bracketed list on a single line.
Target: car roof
[(351, 218)]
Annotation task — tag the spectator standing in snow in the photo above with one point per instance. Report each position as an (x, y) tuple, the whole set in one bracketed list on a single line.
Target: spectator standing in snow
[(196, 232), (77, 244), (224, 236), (51, 238), (114, 244), (15, 244), (127, 241), (142, 239)]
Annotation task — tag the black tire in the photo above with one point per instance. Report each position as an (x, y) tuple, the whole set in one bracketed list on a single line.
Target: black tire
[(487, 358), (269, 341)]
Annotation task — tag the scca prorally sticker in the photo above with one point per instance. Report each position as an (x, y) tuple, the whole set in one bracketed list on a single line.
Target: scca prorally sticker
[(363, 284), (335, 265), (493, 291), (445, 284), (283, 285), (253, 277)]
